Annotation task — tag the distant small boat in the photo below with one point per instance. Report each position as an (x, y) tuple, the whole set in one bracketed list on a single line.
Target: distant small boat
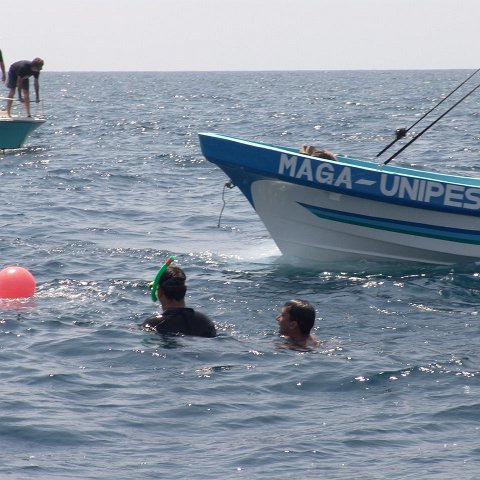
[(345, 210), (15, 130)]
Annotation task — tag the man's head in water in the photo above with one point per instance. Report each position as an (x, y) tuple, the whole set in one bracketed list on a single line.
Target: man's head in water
[(296, 320), (171, 287)]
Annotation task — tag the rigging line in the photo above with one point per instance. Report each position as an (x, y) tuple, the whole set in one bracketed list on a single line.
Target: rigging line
[(401, 132), (431, 125)]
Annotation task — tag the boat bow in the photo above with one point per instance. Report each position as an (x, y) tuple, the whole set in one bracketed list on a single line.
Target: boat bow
[(320, 209)]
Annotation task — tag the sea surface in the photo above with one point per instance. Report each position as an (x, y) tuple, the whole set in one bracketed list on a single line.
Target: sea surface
[(114, 182)]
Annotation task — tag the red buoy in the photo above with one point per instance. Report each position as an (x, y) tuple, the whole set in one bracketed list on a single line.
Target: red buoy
[(16, 282)]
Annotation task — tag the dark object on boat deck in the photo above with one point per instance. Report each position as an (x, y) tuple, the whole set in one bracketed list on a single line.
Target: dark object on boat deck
[(315, 152)]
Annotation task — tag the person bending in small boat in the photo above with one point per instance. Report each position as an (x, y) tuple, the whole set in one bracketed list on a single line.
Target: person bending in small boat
[(19, 74), (176, 318), (295, 321)]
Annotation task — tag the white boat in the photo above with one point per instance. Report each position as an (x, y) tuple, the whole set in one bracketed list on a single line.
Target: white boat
[(348, 209)]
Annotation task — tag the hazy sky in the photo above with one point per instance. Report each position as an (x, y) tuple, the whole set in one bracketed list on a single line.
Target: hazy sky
[(166, 35)]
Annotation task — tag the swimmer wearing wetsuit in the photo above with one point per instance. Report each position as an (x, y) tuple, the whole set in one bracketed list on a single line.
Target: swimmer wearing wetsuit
[(176, 318)]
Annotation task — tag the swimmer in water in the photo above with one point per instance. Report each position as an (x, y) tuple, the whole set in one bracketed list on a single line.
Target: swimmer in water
[(295, 321), (176, 318)]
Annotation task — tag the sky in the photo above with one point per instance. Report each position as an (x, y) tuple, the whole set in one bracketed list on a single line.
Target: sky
[(229, 35)]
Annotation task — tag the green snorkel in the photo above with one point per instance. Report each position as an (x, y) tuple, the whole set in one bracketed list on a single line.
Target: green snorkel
[(159, 277)]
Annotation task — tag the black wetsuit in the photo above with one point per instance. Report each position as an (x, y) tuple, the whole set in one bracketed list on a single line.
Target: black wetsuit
[(185, 321)]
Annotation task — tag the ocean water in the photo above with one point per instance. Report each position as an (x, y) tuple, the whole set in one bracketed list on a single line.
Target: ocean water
[(114, 182)]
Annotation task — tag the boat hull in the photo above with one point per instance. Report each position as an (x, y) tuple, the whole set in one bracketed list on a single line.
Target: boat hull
[(324, 227), (326, 211), (15, 131)]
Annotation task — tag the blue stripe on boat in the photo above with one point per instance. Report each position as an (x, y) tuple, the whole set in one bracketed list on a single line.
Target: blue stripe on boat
[(398, 226)]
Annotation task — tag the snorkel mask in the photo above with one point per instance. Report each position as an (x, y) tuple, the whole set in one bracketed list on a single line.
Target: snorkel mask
[(159, 277)]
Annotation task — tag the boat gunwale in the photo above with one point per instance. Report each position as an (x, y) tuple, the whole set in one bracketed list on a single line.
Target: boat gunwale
[(347, 161), (22, 120), (255, 173)]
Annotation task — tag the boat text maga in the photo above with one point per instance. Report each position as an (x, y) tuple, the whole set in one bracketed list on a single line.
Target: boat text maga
[(377, 183)]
